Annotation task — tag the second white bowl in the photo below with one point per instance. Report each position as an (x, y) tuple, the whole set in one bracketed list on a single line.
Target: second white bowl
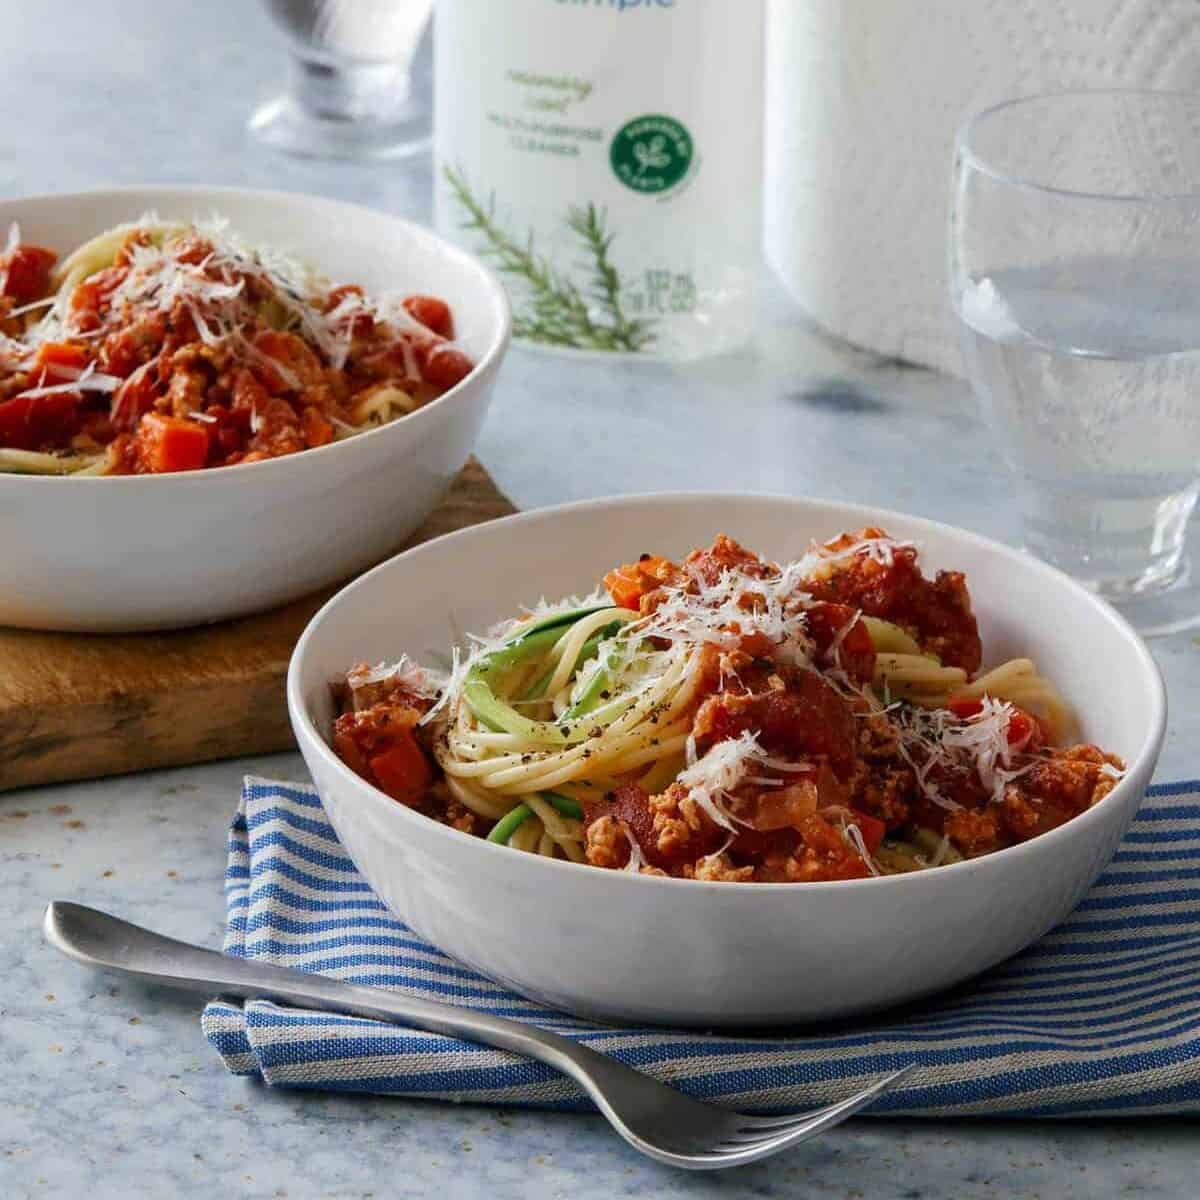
[(165, 551)]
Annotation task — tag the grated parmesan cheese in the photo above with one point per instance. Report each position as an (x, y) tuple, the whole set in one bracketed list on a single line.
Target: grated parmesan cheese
[(451, 683), (87, 380), (637, 859), (834, 653), (820, 559), (738, 604), (854, 836), (978, 743), (710, 779), (421, 681)]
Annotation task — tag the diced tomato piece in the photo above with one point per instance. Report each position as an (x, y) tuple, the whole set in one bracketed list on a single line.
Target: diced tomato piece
[(446, 367), (167, 444), (357, 319), (59, 354), (403, 771), (25, 273), (135, 397), (871, 828), (1025, 729), (36, 422), (432, 313), (855, 653)]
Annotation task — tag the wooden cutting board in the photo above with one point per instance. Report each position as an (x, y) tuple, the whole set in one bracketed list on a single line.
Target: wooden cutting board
[(77, 706)]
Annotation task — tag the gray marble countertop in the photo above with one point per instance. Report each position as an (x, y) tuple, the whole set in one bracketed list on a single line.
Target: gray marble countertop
[(110, 1091)]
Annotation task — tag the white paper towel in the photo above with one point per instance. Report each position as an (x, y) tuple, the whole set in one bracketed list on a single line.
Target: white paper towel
[(863, 98)]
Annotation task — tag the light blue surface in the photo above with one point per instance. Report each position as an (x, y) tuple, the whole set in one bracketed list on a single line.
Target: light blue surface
[(114, 1093)]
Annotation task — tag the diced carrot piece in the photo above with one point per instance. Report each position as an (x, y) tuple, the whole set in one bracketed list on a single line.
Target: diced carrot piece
[(167, 444), (627, 584), (624, 588), (60, 354)]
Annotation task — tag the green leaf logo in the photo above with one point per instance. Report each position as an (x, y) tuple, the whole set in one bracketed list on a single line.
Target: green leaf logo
[(651, 154)]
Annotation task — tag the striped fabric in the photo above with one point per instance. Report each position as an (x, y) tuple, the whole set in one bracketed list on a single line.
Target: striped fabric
[(1100, 1017)]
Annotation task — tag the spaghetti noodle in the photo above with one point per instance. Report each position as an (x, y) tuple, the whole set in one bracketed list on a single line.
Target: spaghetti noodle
[(718, 719), (162, 346)]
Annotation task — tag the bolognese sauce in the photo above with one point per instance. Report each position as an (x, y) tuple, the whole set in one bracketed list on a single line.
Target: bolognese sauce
[(726, 718), (160, 348)]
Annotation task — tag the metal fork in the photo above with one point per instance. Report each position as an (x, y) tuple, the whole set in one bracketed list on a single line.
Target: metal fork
[(654, 1118)]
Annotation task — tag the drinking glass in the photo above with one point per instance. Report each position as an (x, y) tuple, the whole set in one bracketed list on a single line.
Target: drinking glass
[(1075, 274), (351, 90)]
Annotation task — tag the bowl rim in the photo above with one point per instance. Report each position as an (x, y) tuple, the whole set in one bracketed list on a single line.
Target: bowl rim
[(307, 734), (412, 229)]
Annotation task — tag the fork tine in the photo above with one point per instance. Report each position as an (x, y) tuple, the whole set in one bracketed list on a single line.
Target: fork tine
[(803, 1127), (772, 1133)]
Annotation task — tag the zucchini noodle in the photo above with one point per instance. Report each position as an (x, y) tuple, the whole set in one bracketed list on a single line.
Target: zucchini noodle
[(611, 702)]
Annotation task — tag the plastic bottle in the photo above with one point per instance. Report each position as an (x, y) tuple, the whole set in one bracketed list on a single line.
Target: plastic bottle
[(606, 157)]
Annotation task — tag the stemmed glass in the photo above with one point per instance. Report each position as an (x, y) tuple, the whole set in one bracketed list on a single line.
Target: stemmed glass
[(352, 91), (1075, 269)]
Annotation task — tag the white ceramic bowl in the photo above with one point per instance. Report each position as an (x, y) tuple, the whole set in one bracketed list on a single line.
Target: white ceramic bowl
[(637, 948), (154, 552)]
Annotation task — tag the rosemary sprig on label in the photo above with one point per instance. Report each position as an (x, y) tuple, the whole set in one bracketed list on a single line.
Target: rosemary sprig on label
[(554, 310), (628, 333)]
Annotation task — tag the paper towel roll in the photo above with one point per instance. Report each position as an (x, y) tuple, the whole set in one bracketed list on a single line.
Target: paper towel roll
[(863, 98)]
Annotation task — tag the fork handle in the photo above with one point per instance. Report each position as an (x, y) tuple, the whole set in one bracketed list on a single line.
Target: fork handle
[(99, 939)]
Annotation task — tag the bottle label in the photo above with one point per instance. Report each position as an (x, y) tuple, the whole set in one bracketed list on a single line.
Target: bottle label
[(651, 154), (605, 156)]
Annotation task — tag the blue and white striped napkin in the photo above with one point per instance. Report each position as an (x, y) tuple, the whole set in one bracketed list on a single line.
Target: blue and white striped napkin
[(1100, 1017)]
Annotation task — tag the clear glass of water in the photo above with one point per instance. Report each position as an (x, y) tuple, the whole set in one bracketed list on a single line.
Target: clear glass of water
[(1075, 270), (356, 87)]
